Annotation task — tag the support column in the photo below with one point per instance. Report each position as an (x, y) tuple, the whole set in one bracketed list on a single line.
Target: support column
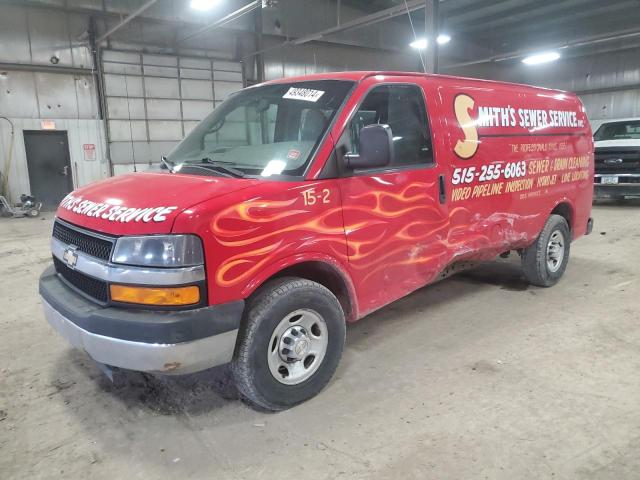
[(431, 33), (96, 57), (259, 57)]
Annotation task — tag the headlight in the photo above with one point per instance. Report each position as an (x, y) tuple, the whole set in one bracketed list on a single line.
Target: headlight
[(159, 251)]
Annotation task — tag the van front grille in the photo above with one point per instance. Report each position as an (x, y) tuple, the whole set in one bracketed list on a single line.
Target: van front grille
[(92, 287), (84, 242)]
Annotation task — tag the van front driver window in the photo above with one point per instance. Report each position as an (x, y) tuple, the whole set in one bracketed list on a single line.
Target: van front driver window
[(402, 108)]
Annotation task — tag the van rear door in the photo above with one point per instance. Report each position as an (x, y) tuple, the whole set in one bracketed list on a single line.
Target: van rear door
[(396, 220)]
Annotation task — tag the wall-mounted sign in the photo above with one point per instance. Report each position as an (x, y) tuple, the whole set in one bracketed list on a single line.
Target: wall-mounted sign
[(47, 124), (89, 150)]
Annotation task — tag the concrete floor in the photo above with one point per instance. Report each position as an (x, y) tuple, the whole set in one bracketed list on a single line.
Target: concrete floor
[(479, 376)]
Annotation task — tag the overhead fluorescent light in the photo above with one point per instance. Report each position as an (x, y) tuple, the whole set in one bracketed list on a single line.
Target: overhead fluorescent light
[(203, 5), (419, 44), (541, 58), (443, 38)]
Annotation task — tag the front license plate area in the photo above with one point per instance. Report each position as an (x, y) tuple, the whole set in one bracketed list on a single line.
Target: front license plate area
[(609, 180)]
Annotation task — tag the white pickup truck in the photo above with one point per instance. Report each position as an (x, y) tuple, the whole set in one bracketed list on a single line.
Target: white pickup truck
[(617, 158)]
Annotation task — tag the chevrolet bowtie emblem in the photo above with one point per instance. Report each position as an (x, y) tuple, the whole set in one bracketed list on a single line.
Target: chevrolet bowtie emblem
[(70, 257)]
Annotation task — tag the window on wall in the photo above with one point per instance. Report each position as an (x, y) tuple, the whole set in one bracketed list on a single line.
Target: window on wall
[(402, 108)]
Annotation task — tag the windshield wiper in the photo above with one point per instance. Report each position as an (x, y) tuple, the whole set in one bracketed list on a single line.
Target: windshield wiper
[(223, 167), (167, 164)]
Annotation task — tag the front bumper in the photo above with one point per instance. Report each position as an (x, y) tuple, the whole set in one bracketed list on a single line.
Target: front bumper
[(616, 191), (628, 186), (167, 342)]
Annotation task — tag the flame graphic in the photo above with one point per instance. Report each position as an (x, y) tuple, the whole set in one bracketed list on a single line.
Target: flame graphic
[(373, 231)]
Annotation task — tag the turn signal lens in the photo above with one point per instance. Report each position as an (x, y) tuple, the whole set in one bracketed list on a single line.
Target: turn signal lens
[(155, 296)]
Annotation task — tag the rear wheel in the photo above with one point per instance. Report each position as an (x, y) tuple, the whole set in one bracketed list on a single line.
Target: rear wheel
[(290, 343), (545, 261)]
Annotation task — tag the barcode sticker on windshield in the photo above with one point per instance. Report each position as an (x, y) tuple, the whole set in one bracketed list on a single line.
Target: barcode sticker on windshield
[(306, 94)]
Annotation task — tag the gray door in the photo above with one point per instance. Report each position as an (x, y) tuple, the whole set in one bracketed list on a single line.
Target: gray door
[(49, 166)]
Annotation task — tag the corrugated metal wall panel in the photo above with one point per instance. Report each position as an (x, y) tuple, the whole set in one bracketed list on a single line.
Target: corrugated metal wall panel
[(17, 97), (56, 95), (46, 31), (47, 95), (14, 35), (315, 58), (607, 105)]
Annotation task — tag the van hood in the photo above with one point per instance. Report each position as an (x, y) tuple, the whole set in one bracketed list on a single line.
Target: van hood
[(142, 203), (625, 142)]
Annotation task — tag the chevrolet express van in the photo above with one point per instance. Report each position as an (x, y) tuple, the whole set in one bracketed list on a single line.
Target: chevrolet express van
[(301, 204)]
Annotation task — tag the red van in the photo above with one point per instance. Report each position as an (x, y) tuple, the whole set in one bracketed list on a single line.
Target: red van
[(301, 204)]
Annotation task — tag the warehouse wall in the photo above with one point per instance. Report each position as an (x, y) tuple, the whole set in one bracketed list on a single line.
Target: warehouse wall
[(608, 83), (316, 58), (382, 46), (29, 97), (84, 169), (34, 89)]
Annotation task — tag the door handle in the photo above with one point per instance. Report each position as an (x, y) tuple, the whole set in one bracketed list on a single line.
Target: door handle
[(441, 189), (65, 170)]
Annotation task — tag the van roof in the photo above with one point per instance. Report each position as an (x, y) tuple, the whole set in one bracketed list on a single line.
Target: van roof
[(358, 76)]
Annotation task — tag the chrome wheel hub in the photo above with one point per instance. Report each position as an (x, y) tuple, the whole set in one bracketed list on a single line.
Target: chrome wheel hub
[(555, 251), (294, 344), (298, 346)]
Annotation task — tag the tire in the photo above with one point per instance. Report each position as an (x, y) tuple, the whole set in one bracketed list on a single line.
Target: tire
[(540, 261), (262, 375)]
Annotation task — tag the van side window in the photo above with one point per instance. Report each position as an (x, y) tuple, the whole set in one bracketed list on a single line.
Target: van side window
[(402, 108)]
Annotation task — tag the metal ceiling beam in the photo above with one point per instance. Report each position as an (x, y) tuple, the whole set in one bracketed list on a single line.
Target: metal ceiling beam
[(108, 15), (34, 67), (488, 8), (579, 42), (601, 23), (541, 15), (223, 21), (377, 17), (126, 20), (364, 21)]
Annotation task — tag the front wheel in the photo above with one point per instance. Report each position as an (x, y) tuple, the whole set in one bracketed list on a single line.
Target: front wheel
[(290, 343), (545, 261)]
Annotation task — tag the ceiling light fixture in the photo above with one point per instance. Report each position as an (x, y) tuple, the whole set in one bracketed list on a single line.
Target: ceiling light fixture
[(443, 39), (541, 58), (203, 5), (419, 44)]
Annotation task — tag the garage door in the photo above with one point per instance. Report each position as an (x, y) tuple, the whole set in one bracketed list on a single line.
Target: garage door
[(153, 101)]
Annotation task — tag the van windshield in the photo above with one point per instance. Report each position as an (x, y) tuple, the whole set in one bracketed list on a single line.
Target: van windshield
[(266, 131), (618, 131)]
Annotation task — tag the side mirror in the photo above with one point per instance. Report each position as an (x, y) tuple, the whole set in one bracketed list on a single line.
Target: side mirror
[(375, 147)]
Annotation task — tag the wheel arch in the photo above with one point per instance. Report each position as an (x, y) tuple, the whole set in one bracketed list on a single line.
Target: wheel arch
[(565, 209), (318, 268)]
